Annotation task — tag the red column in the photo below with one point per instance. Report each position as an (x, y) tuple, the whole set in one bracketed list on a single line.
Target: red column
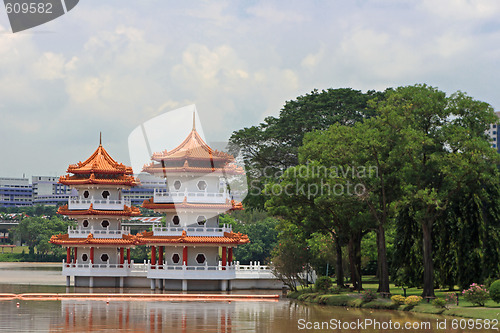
[(121, 256), (160, 257), (92, 255), (153, 257), (76, 255), (68, 256), (185, 255), (224, 258), (128, 256), (230, 259)]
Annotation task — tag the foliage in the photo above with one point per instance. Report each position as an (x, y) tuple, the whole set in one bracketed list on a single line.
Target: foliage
[(451, 298), (439, 303), (413, 300), (335, 290), (495, 291), (323, 283), (398, 299), (368, 296), (476, 294)]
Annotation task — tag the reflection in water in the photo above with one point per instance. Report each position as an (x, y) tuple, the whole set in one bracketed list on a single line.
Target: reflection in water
[(165, 316)]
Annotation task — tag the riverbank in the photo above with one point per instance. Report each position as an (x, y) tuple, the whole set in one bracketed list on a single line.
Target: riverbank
[(353, 300)]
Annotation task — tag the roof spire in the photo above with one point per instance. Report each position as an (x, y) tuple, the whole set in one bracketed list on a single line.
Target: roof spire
[(194, 125), (100, 138)]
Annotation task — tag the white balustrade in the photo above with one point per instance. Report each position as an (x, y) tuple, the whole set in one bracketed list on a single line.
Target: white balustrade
[(166, 196), (201, 230), (97, 233), (89, 269), (76, 203)]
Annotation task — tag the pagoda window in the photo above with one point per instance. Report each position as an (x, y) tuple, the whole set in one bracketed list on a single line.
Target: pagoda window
[(85, 223), (104, 257), (201, 220), (202, 185), (85, 257), (86, 194), (200, 258), (177, 185), (105, 223), (176, 220), (105, 194), (176, 258)]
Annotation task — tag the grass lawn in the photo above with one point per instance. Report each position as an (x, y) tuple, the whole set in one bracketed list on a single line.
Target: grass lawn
[(491, 310)]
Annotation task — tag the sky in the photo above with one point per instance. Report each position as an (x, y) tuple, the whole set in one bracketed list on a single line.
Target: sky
[(108, 66)]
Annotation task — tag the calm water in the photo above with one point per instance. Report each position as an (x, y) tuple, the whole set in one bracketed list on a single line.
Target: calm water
[(165, 316)]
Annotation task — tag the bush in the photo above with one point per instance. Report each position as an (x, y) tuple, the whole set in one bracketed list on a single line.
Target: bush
[(411, 301), (398, 299), (323, 283), (476, 294), (451, 298), (495, 291), (368, 296), (439, 303), (335, 290)]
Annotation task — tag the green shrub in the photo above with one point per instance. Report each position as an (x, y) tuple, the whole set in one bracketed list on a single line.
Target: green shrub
[(439, 303), (368, 296), (495, 291), (335, 290), (398, 299), (323, 283)]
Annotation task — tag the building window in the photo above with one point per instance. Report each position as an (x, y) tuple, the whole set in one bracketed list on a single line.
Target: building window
[(85, 257), (105, 194), (176, 258), (200, 258), (202, 185), (85, 223), (176, 220), (86, 194), (177, 185), (105, 223), (201, 220), (104, 257)]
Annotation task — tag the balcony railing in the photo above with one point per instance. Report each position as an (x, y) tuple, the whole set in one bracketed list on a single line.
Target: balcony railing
[(192, 231), (76, 203), (97, 233), (89, 269), (165, 196)]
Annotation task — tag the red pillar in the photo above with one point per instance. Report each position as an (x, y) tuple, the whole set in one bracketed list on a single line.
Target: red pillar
[(68, 256), (92, 255), (230, 259), (160, 257), (224, 258), (153, 257), (121, 256), (76, 255), (128, 256), (185, 255)]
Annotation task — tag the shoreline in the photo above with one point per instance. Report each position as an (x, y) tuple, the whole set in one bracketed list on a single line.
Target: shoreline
[(354, 301)]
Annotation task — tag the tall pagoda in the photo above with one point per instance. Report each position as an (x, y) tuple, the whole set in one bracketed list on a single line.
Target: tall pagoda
[(98, 248), (192, 251)]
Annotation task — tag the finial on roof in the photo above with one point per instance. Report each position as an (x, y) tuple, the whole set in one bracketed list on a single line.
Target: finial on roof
[(100, 138), (194, 126)]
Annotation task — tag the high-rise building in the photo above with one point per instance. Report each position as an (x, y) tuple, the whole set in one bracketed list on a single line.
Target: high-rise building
[(48, 191), (493, 134), (15, 192)]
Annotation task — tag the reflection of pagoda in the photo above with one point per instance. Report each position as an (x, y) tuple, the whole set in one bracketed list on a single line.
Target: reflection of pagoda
[(192, 250), (96, 247)]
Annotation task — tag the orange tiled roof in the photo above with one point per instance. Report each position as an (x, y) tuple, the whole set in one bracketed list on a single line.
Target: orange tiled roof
[(147, 237), (92, 179), (157, 168), (229, 205), (100, 162), (128, 211), (90, 240)]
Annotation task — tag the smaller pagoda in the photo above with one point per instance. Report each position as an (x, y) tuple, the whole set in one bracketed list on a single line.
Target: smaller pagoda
[(98, 248)]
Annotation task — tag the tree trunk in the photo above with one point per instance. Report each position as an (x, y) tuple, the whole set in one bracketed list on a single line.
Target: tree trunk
[(383, 267), (339, 270), (354, 247), (428, 265)]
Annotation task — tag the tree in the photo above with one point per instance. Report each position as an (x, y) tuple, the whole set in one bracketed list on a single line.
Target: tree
[(442, 149)]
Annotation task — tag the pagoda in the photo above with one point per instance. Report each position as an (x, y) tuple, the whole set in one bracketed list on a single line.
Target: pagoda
[(98, 248), (192, 251)]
